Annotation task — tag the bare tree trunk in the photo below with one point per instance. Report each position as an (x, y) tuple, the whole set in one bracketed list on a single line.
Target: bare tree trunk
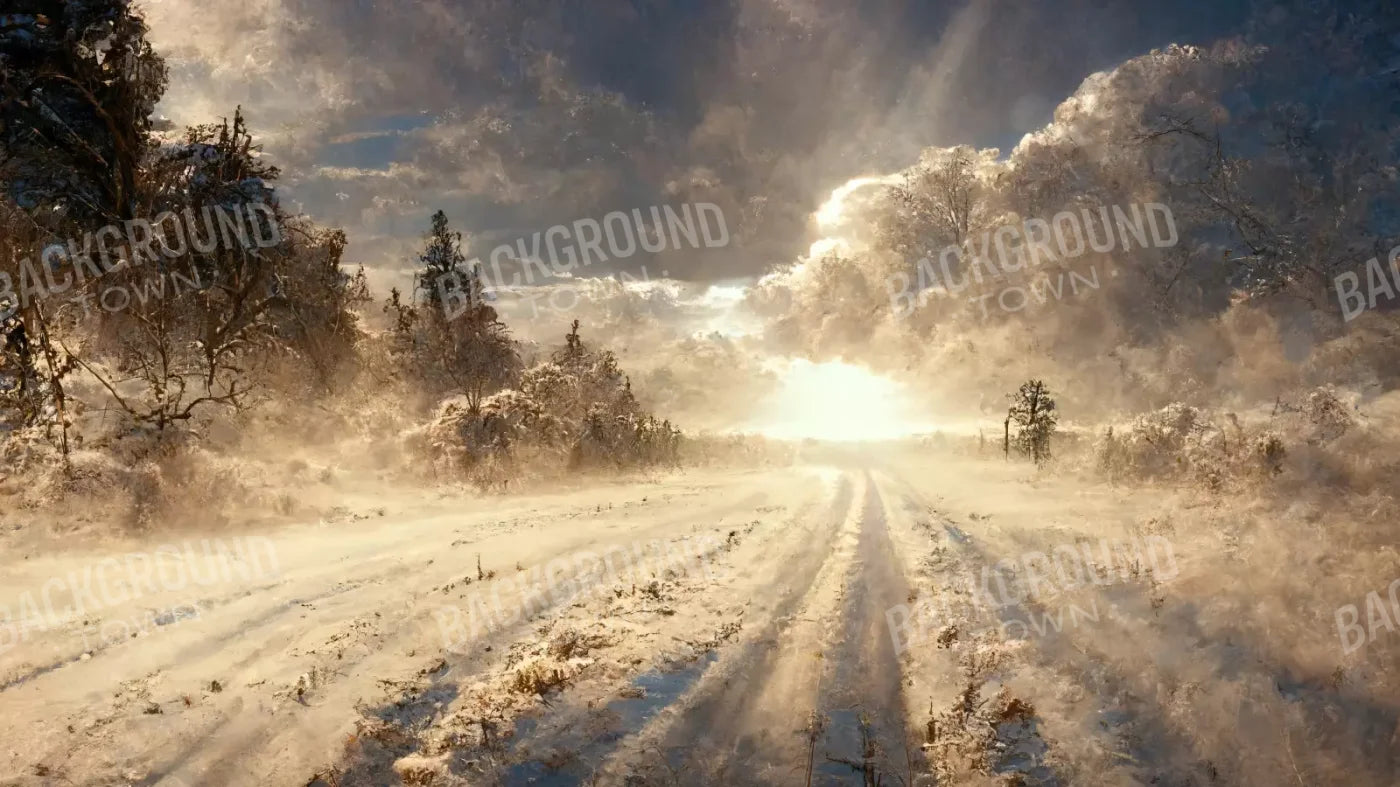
[(55, 380)]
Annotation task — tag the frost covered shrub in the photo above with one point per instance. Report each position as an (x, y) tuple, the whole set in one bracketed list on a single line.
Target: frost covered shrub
[(1338, 448), (1314, 435), (1320, 416), (1180, 442), (576, 408), (1328, 415), (484, 444), (1157, 443), (624, 440), (142, 480)]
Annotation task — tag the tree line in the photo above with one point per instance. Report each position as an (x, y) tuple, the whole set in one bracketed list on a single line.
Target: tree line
[(80, 151)]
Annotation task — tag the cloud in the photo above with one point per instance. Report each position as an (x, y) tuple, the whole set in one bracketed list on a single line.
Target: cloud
[(528, 113)]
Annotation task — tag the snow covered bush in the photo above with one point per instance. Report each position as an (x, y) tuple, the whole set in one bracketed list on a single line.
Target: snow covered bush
[(575, 410), (1180, 442)]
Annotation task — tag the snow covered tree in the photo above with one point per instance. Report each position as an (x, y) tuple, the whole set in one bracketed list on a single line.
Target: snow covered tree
[(318, 316), (36, 367), (944, 200), (220, 167), (484, 357), (78, 83), (264, 293), (213, 344)]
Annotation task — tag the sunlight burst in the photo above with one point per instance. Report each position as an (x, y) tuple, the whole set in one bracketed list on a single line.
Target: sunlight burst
[(840, 401)]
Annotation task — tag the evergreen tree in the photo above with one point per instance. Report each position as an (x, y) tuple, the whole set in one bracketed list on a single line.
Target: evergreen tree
[(467, 349), (442, 258)]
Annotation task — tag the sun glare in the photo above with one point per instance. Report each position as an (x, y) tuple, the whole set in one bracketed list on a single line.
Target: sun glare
[(837, 401), (833, 210)]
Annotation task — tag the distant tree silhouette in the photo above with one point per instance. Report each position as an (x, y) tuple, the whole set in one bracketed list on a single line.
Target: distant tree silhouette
[(1033, 412)]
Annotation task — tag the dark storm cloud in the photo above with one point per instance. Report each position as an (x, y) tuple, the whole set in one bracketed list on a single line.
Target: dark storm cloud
[(513, 116)]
